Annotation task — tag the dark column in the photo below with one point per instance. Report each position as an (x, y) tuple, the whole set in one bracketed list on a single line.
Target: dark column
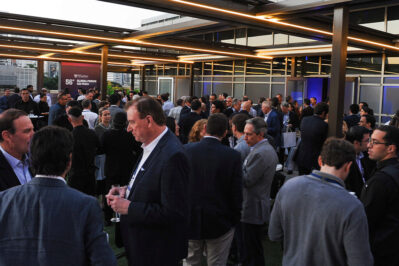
[(191, 79), (338, 71), (132, 80), (40, 75), (142, 78), (104, 70), (293, 67)]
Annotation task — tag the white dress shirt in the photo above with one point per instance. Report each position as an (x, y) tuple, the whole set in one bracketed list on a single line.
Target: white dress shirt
[(90, 117), (147, 149)]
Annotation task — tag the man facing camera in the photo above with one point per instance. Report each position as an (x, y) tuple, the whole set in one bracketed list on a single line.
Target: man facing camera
[(45, 222)]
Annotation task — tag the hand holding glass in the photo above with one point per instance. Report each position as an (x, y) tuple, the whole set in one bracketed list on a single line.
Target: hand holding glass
[(116, 192)]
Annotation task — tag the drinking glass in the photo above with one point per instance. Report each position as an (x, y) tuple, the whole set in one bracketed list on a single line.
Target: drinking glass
[(116, 218)]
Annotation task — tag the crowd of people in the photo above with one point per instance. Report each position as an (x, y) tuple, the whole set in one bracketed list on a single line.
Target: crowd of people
[(195, 179)]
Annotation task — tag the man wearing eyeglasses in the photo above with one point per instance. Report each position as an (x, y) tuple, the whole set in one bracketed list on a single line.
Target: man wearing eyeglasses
[(380, 196)]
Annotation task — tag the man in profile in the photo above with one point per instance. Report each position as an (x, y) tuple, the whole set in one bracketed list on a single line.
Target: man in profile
[(154, 206), (16, 131), (316, 212), (47, 223)]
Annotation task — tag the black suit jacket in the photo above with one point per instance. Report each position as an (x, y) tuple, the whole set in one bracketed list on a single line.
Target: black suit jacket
[(186, 123), (352, 120), (354, 182), (313, 134), (81, 175), (154, 231), (122, 152), (8, 178), (308, 111), (215, 188)]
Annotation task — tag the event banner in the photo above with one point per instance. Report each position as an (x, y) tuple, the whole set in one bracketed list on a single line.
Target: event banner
[(79, 75)]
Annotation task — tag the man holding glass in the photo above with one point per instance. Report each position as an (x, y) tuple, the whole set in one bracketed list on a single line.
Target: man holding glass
[(45, 222), (154, 206)]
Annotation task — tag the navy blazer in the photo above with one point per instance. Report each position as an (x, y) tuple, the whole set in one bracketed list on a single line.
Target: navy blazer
[(45, 222), (215, 188), (8, 178), (154, 231), (313, 134), (274, 126)]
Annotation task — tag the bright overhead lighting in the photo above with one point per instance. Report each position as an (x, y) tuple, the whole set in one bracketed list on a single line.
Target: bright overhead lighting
[(131, 41), (276, 21)]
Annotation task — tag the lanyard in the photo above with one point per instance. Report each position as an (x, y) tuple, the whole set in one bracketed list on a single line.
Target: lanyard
[(327, 179)]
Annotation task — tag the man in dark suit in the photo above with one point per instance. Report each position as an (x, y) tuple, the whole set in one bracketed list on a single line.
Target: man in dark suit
[(353, 118), (215, 194), (16, 131), (313, 134), (273, 122), (361, 168), (187, 121), (14, 98), (187, 107), (27, 104), (154, 206), (307, 110), (47, 223), (85, 146)]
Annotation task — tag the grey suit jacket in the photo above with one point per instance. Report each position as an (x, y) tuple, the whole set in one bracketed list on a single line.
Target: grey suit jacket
[(258, 172), (45, 222)]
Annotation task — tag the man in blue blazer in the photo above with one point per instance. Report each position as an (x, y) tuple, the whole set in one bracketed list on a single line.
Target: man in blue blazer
[(154, 206), (47, 223), (215, 194), (273, 122)]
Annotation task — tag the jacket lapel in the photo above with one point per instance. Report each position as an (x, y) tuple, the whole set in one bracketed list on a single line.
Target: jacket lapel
[(10, 177), (148, 163)]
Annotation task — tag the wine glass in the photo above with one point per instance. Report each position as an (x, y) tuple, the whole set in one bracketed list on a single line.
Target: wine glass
[(116, 218)]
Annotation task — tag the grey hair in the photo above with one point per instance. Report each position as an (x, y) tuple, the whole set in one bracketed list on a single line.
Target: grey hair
[(259, 125), (229, 97), (266, 104), (235, 101), (285, 104)]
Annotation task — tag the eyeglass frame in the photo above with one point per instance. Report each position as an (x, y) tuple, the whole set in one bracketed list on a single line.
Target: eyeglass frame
[(375, 142)]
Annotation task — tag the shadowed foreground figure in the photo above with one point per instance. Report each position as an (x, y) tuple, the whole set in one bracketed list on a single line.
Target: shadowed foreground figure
[(47, 223)]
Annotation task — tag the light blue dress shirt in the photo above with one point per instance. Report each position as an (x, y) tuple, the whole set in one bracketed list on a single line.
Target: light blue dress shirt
[(21, 168)]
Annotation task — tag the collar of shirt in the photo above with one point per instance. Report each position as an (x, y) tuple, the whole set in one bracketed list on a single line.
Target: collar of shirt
[(211, 137), (151, 146), (258, 144), (14, 161), (332, 179), (360, 156), (241, 139), (51, 176)]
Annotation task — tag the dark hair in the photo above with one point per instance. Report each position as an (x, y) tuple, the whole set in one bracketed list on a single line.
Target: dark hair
[(195, 105), (219, 105), (113, 99), (368, 110), (120, 120), (336, 152), (213, 94), (29, 86), (7, 120), (86, 104), (165, 97), (365, 104), (239, 121), (356, 133), (275, 102), (391, 136), (170, 123), (225, 95), (24, 89), (320, 108), (306, 101), (75, 112), (102, 104), (217, 125), (16, 90), (42, 94), (179, 102), (45, 159), (148, 106), (370, 119), (354, 108), (261, 100), (74, 103), (288, 98)]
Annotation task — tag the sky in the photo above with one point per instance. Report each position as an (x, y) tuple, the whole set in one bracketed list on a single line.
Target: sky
[(86, 11)]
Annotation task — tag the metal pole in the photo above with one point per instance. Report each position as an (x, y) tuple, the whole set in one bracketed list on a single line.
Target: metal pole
[(104, 71), (338, 71)]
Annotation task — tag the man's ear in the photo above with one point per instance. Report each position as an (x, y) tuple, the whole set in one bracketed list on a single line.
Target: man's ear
[(319, 161), (5, 134)]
